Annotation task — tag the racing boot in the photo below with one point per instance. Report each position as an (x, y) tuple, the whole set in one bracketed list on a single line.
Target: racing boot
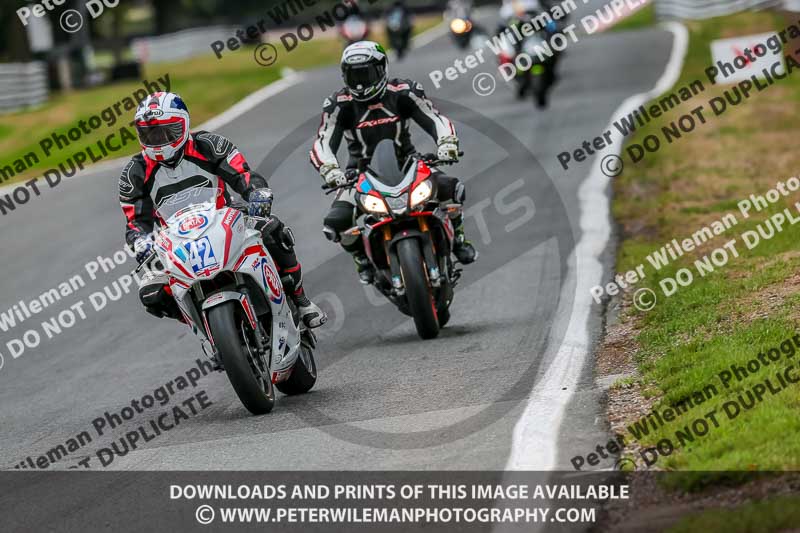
[(366, 272), (156, 296), (462, 248), (311, 315)]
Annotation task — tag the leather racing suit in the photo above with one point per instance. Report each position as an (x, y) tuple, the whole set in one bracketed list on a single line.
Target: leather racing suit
[(208, 160), (363, 125)]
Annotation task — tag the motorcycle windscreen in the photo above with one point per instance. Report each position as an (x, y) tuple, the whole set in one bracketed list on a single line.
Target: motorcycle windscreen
[(201, 197), (385, 165)]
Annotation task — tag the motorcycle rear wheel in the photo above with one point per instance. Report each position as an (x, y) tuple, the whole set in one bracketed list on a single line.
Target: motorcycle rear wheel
[(539, 88), (254, 390), (418, 292)]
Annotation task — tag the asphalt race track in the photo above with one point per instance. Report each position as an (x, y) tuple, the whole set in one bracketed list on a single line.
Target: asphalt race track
[(385, 399)]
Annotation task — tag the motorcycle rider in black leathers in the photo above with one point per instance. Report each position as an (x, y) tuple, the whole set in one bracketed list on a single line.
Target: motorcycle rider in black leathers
[(173, 160), (399, 27), (369, 109), (539, 13)]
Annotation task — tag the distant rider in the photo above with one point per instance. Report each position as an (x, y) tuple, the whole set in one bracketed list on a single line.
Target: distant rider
[(399, 26), (369, 109), (174, 160)]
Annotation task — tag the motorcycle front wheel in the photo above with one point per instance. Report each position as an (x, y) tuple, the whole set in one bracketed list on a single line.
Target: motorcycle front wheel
[(539, 87), (247, 371), (418, 291)]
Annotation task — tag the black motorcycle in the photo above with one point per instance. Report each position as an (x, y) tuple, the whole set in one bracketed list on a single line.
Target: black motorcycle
[(463, 29), (408, 235), (533, 75), (399, 28)]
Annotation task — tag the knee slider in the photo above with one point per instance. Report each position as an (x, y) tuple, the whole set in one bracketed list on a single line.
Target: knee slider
[(153, 294), (331, 234), (459, 193), (287, 238), (158, 301), (340, 217)]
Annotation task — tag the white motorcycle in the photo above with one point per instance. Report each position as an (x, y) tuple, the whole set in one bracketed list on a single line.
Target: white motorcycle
[(354, 29), (228, 289)]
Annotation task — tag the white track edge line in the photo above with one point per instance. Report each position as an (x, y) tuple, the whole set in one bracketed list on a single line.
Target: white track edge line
[(536, 434)]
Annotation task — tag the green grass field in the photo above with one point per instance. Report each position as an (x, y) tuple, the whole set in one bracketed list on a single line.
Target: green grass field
[(207, 85), (777, 514), (643, 17), (746, 306)]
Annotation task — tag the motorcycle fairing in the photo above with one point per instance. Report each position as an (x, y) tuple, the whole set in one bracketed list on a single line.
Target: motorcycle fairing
[(228, 245), (396, 197)]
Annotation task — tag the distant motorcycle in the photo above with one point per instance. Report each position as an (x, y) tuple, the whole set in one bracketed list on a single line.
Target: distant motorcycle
[(536, 79), (463, 30), (354, 29), (408, 236), (398, 28), (229, 291)]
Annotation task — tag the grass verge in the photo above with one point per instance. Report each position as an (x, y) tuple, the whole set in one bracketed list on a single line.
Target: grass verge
[(642, 18), (728, 316), (778, 514), (208, 85)]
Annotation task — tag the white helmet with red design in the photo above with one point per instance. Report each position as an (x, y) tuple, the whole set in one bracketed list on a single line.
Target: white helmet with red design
[(162, 123)]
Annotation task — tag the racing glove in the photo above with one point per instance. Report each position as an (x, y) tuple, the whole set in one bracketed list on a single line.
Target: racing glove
[(333, 175), (260, 203), (143, 246), (448, 148)]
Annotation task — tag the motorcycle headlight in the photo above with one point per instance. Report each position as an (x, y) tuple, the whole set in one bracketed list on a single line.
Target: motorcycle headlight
[(372, 204), (459, 26), (422, 193), (398, 204)]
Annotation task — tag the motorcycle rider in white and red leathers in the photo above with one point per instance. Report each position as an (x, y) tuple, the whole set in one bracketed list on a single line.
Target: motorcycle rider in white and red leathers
[(174, 159), (369, 109)]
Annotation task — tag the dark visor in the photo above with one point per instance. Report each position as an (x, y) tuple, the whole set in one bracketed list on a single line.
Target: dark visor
[(363, 75), (160, 134)]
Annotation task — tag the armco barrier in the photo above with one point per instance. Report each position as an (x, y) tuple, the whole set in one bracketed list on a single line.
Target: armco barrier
[(22, 85), (703, 9)]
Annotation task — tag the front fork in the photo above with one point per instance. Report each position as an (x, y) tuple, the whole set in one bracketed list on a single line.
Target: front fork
[(428, 251)]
